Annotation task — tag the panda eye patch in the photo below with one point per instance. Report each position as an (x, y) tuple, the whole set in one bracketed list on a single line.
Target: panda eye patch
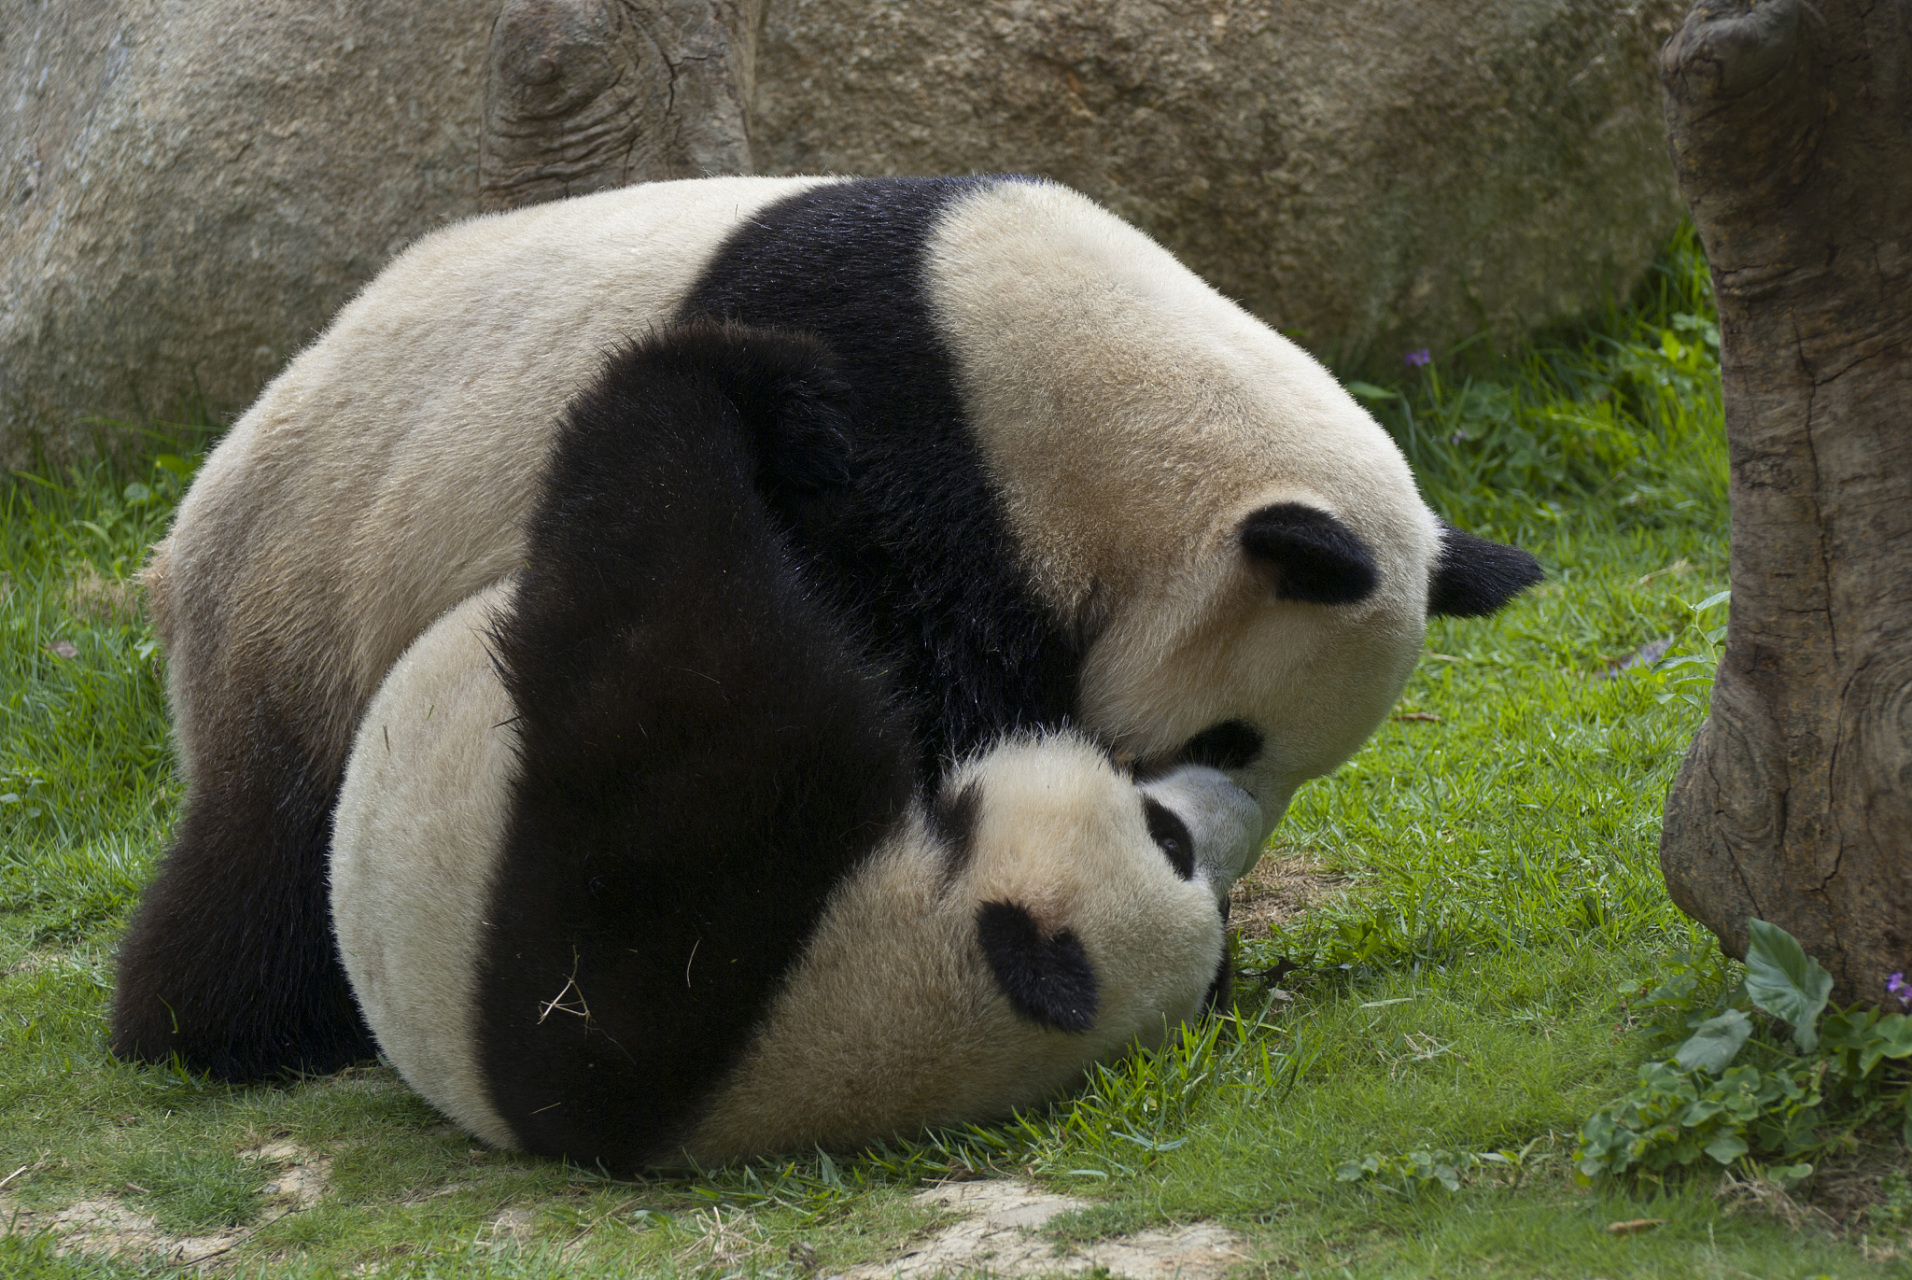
[(1171, 834), (1047, 979)]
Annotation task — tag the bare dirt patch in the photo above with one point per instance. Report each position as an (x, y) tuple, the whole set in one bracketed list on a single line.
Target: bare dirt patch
[(1285, 883), (111, 1228), (997, 1233), (516, 1224)]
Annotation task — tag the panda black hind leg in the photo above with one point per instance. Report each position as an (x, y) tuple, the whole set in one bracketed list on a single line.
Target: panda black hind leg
[(228, 963)]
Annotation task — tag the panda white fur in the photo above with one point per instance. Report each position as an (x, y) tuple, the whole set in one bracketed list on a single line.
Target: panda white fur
[(1073, 485), (608, 890)]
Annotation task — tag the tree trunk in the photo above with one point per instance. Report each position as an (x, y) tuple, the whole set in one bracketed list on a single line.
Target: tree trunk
[(1791, 131)]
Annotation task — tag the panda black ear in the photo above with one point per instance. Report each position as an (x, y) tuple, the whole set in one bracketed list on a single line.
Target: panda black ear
[(1474, 577), (1048, 980), (1310, 555)]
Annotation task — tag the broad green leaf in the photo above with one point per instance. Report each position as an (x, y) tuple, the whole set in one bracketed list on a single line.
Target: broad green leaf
[(1695, 1114), (1891, 1037), (1847, 1031), (1718, 597), (1787, 1174), (1715, 1043), (1726, 1148), (1784, 981)]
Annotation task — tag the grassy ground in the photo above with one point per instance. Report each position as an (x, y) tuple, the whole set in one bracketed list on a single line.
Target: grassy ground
[(1491, 852)]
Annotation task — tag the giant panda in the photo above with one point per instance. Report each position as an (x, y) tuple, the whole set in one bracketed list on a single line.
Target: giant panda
[(1074, 485), (631, 862)]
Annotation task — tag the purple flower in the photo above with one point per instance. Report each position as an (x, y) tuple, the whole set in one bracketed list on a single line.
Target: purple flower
[(1896, 985), (1420, 359)]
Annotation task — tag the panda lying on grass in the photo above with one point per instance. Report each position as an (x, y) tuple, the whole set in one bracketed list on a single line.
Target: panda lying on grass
[(1070, 485), (631, 864)]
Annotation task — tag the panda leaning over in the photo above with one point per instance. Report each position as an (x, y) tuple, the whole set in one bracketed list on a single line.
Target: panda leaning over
[(631, 864), (1071, 486)]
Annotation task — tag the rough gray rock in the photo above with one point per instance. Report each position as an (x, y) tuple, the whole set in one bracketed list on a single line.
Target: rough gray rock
[(1373, 176), (588, 94), (188, 191)]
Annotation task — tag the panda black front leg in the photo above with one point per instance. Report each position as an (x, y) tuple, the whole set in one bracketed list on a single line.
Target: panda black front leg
[(703, 755)]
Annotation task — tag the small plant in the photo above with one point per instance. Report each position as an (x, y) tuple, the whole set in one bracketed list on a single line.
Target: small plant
[(1688, 675), (1895, 1206), (1741, 1088), (1421, 1170), (1626, 410)]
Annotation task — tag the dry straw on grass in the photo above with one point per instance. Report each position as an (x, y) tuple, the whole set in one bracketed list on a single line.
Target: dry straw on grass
[(1285, 883), (100, 598)]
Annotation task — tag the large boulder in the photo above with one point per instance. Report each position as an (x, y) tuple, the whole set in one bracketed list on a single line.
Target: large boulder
[(188, 191), (1371, 176)]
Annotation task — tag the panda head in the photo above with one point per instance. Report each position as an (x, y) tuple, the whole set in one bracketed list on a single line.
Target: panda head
[(1239, 548), (1098, 905), (1278, 660)]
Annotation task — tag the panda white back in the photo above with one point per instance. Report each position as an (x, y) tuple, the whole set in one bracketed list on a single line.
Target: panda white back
[(391, 466)]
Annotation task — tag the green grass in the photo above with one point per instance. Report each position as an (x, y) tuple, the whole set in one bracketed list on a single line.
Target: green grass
[(1498, 848)]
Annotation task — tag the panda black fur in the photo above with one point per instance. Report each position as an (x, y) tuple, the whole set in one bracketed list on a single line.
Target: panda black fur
[(1072, 484), (627, 864)]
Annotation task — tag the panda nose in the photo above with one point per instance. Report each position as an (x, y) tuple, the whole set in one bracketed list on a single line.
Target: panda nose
[(1221, 821)]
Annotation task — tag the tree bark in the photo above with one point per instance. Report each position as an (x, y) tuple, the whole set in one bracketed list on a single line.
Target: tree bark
[(1791, 131)]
